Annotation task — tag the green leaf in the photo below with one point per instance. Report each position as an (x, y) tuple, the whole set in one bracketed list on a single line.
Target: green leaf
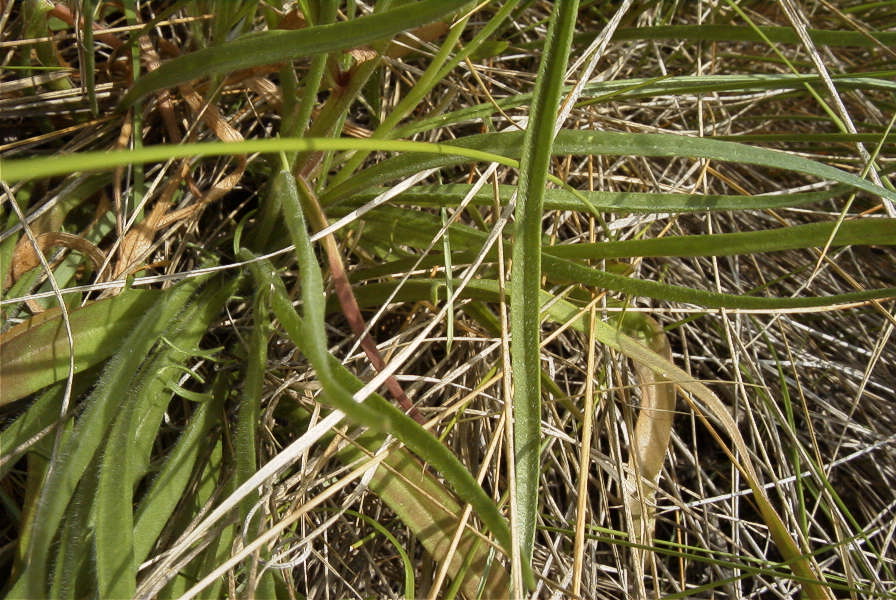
[(270, 47), (502, 148), (89, 434), (863, 232), (34, 354), (525, 317), (36, 168), (617, 202), (508, 144), (414, 228)]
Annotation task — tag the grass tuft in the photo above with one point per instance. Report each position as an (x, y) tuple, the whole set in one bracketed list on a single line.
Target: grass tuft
[(257, 261)]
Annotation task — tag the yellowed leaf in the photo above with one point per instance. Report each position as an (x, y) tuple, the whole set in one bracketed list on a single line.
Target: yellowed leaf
[(649, 442)]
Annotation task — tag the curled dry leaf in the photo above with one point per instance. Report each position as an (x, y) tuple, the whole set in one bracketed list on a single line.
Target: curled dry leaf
[(802, 564), (650, 441), (138, 241), (25, 257), (363, 54)]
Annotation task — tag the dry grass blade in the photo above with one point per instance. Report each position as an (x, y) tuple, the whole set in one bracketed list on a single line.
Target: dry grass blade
[(25, 256), (649, 444), (807, 569)]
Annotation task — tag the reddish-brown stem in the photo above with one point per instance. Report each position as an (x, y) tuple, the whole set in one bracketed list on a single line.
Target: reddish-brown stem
[(350, 305)]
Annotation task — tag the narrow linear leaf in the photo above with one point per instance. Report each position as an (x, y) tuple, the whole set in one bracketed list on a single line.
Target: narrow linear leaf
[(502, 148), (413, 228), (572, 273), (72, 551), (568, 271), (618, 202), (732, 33), (575, 142), (271, 47), (525, 281), (249, 416), (36, 168), (862, 232)]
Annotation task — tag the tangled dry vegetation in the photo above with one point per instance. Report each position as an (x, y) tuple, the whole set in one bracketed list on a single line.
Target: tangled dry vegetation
[(212, 378)]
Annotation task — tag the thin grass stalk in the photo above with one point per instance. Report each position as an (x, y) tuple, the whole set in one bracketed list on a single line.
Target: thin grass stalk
[(584, 460)]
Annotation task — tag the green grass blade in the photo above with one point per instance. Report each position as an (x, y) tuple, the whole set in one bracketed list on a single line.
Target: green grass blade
[(249, 419), (502, 148), (271, 47), (568, 271), (730, 33), (296, 124), (417, 229), (507, 144), (880, 232), (72, 553), (209, 482), (36, 168), (114, 534), (618, 202), (525, 317)]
